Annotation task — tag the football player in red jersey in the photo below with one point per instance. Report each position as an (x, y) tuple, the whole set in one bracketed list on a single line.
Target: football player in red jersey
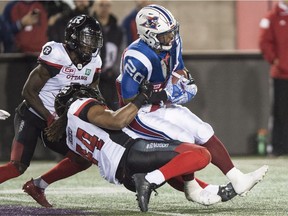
[(60, 64)]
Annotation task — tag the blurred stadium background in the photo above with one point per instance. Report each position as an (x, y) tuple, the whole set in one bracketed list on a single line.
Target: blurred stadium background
[(221, 51)]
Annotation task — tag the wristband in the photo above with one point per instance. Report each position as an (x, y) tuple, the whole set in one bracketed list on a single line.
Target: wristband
[(139, 100)]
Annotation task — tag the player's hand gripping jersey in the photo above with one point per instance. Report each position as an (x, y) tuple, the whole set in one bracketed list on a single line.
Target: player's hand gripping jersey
[(56, 60)]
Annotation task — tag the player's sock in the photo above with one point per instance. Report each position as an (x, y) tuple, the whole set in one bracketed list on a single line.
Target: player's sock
[(63, 169), (8, 171), (212, 188), (201, 183), (155, 177), (178, 183), (39, 182), (220, 156)]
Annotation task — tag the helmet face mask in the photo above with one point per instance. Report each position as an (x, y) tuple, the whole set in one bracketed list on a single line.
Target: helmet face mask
[(83, 34), (156, 26), (167, 38)]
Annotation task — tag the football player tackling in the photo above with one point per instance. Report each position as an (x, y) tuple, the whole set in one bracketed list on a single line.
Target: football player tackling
[(94, 132)]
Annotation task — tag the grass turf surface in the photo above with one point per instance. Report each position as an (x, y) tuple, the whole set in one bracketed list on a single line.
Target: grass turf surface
[(88, 194)]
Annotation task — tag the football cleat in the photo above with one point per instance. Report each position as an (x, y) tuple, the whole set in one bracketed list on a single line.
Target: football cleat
[(36, 193), (195, 193), (143, 190), (226, 192), (243, 183)]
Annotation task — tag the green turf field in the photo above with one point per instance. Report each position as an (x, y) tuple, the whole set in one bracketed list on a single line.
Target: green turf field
[(88, 194)]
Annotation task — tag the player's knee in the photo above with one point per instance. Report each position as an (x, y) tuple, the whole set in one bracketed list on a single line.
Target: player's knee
[(197, 158), (203, 155), (19, 166), (204, 132), (206, 156)]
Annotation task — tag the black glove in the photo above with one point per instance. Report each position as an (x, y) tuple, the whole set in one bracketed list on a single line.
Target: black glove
[(145, 92), (146, 88)]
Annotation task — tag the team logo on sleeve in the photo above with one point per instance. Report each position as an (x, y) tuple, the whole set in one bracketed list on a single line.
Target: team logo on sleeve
[(47, 50)]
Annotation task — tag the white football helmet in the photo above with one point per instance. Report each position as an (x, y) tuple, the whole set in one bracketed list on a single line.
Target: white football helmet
[(153, 21)]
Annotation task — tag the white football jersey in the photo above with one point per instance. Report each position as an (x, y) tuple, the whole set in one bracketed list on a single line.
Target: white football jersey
[(92, 142), (64, 72)]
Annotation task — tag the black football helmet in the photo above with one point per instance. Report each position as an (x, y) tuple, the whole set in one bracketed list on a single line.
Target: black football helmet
[(84, 35), (71, 93)]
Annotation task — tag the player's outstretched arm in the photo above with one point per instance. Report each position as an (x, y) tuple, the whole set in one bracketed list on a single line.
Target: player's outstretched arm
[(116, 120)]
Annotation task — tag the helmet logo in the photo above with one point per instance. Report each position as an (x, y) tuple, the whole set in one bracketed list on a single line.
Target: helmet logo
[(78, 19), (151, 22)]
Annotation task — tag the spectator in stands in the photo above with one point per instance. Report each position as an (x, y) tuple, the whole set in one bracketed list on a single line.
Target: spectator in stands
[(6, 37), (56, 31), (129, 25), (274, 47), (28, 22), (26, 19), (56, 9), (110, 52)]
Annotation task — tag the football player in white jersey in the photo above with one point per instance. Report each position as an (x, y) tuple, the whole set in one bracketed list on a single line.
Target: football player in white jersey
[(60, 64), (94, 132), (155, 56)]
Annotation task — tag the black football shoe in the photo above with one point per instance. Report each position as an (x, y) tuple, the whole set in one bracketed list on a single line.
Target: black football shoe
[(226, 192), (143, 190)]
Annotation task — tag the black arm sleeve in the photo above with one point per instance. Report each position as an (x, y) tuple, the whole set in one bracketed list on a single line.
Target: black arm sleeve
[(53, 71), (84, 111)]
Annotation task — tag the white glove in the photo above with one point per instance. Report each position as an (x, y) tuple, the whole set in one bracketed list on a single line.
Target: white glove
[(181, 92), (4, 114), (173, 91)]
